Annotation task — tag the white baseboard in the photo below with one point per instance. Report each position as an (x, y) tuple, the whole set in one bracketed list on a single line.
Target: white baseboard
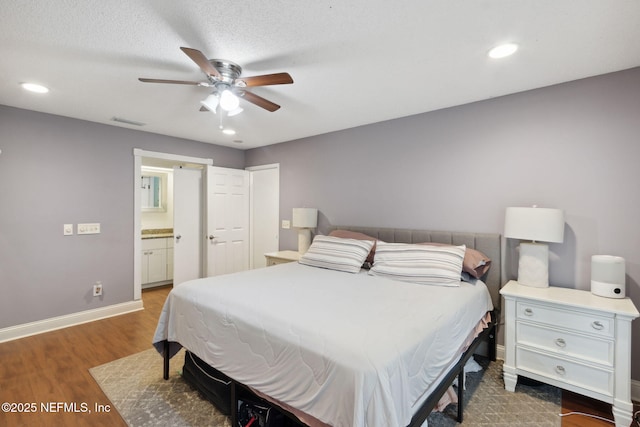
[(47, 325), (635, 385)]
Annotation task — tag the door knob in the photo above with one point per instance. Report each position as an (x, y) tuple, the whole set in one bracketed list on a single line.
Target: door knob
[(211, 237), (178, 237)]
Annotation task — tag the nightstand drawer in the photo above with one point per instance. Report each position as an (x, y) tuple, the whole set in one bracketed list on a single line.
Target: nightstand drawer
[(281, 257), (564, 343), (276, 261), (578, 321), (565, 371)]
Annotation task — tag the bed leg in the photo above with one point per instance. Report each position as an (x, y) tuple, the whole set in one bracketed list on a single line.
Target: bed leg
[(493, 343), (165, 355), (460, 393), (493, 335), (234, 404)]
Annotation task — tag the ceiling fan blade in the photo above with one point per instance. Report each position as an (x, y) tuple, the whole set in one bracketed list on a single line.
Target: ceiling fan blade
[(202, 61), (259, 101), (267, 79), (177, 82)]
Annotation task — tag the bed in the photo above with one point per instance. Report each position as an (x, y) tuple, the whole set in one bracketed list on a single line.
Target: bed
[(338, 348)]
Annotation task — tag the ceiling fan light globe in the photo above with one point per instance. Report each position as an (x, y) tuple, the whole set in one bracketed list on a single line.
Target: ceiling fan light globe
[(235, 112), (228, 100), (211, 103)]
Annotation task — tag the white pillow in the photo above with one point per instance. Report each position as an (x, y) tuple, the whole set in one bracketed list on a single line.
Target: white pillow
[(336, 253), (423, 264)]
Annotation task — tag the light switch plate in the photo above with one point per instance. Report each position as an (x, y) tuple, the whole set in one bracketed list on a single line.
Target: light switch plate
[(68, 229), (89, 228), (286, 224)]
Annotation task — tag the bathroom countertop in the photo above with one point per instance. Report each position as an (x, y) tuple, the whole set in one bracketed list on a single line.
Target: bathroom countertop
[(157, 233)]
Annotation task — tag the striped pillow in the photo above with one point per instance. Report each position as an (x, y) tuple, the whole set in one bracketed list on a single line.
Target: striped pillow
[(335, 253), (423, 264)]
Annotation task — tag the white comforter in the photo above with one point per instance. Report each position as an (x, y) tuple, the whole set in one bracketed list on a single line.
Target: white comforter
[(351, 350)]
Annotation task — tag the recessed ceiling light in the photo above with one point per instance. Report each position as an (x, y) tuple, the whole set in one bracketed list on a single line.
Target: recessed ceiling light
[(229, 131), (126, 121), (32, 87), (503, 50)]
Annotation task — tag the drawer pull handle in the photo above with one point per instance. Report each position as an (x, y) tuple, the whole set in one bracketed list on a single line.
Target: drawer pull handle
[(597, 325), (560, 342), (560, 370), (528, 312)]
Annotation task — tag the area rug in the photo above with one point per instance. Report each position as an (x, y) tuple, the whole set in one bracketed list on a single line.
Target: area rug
[(136, 389)]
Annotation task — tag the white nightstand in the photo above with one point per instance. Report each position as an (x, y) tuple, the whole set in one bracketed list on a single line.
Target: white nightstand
[(571, 339), (281, 257)]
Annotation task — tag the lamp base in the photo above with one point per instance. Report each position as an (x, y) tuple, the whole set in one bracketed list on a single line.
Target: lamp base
[(533, 266), (304, 240)]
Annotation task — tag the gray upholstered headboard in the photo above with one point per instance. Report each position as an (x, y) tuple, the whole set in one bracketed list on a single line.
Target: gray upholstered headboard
[(487, 243)]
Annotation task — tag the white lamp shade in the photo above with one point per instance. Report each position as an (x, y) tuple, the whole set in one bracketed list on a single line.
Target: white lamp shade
[(305, 217), (536, 224)]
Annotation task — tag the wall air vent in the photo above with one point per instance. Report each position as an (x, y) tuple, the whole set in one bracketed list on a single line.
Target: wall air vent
[(126, 122)]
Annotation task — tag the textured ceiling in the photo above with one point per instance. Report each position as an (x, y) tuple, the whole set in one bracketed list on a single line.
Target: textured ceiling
[(353, 62)]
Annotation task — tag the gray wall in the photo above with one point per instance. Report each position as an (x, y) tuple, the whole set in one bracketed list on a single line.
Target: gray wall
[(573, 146), (55, 170)]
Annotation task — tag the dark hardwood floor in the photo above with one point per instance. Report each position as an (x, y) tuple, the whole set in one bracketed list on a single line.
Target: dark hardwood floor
[(51, 369)]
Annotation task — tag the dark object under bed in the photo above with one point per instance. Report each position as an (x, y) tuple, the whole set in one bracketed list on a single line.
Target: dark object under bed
[(222, 390)]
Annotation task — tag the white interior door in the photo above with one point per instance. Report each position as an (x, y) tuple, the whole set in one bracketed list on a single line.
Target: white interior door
[(187, 224), (265, 212), (227, 220)]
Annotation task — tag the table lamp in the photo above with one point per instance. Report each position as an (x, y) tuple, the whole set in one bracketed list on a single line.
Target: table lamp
[(538, 225), (304, 219)]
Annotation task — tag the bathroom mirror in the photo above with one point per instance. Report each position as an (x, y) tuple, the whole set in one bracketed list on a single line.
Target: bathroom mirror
[(153, 191)]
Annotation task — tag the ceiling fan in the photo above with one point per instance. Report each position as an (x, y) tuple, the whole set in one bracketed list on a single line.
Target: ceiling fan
[(225, 78)]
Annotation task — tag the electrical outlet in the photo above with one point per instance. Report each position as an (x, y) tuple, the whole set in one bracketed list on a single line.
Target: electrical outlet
[(68, 229), (97, 289), (286, 224)]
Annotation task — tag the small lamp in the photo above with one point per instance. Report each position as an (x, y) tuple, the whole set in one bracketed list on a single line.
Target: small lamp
[(304, 219), (538, 225)]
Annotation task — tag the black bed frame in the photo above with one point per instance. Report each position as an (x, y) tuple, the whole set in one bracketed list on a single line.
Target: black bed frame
[(489, 334)]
